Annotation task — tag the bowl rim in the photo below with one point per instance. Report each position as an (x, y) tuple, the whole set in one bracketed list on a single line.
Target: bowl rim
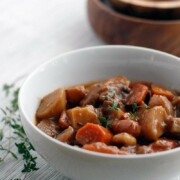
[(75, 149), (134, 19), (164, 4)]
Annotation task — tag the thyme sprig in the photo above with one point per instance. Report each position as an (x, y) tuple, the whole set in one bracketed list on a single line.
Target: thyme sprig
[(106, 98), (135, 107), (114, 106), (16, 136), (104, 121)]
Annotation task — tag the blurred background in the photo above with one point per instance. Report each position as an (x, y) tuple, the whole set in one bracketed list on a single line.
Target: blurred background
[(32, 32)]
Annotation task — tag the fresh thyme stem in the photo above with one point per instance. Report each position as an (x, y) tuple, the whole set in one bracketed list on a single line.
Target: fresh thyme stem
[(11, 123)]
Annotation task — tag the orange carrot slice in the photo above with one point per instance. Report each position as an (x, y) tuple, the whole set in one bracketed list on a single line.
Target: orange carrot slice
[(103, 148), (90, 133), (139, 92), (158, 90)]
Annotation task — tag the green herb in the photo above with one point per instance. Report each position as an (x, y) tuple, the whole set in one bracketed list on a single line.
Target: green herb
[(15, 134), (108, 125), (14, 101), (7, 88), (114, 106), (30, 161), (106, 98), (111, 91), (104, 122), (133, 115), (134, 107)]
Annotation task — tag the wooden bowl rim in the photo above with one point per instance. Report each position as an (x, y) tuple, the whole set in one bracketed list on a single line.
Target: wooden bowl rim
[(116, 14), (153, 3)]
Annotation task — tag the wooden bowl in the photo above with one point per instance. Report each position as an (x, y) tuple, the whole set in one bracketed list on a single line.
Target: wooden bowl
[(154, 9), (117, 28)]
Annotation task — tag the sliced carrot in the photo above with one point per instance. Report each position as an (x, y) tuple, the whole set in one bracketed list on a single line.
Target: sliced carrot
[(103, 148), (139, 92), (90, 133), (158, 90)]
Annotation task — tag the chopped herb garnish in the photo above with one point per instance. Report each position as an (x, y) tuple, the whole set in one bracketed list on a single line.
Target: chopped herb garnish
[(112, 92), (104, 121), (133, 115), (134, 107), (108, 125), (106, 98), (114, 106), (15, 134)]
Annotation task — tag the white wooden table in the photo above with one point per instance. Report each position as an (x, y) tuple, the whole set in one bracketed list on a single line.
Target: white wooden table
[(32, 32)]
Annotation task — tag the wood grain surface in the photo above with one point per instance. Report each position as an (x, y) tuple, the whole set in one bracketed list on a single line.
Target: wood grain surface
[(116, 28)]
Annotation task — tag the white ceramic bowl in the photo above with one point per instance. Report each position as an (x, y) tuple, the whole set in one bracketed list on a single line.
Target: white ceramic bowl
[(93, 64)]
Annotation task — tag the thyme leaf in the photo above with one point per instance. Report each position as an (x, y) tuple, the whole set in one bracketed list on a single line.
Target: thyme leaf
[(1, 134), (114, 106), (147, 107), (7, 88), (104, 121), (134, 107), (15, 134), (106, 98), (133, 115)]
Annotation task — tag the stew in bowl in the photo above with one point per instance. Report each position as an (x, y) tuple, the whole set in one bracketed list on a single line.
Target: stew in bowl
[(114, 116)]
